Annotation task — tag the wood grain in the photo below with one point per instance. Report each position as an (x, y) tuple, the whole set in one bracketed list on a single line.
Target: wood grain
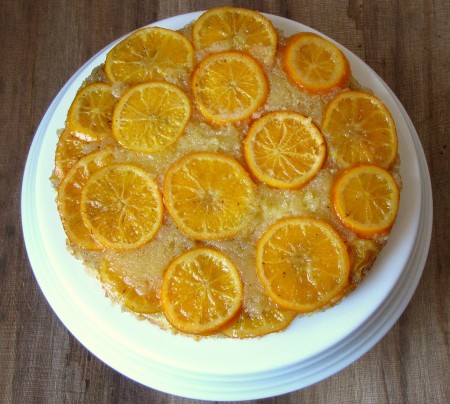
[(44, 42)]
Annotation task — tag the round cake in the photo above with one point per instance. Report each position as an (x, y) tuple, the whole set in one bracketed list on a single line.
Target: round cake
[(223, 179)]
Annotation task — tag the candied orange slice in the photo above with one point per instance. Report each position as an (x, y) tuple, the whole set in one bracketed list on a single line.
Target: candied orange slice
[(284, 149), (209, 196), (366, 200), (233, 28), (315, 64), (150, 117), (91, 111), (362, 254), (126, 294), (302, 263), (252, 323), (69, 150), (201, 291), (69, 197), (229, 87), (121, 206), (150, 54), (359, 129)]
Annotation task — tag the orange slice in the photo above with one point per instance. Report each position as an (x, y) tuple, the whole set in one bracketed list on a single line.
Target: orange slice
[(149, 54), (315, 64), (69, 197), (121, 206), (366, 200), (232, 28), (69, 150), (269, 319), (302, 263), (229, 87), (209, 196), (127, 294), (91, 111), (150, 117), (284, 149), (359, 129), (201, 291), (362, 255)]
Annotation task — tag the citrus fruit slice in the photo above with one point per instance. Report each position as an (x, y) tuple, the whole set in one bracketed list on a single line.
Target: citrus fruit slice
[(314, 63), (150, 54), (366, 200), (121, 206), (69, 197), (201, 291), (362, 254), (127, 294), (302, 263), (359, 129), (208, 195), (91, 111), (229, 87), (284, 149), (269, 319), (233, 28), (69, 150), (151, 116)]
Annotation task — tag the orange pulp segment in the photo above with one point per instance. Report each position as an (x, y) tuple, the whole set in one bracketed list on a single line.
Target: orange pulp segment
[(201, 291), (284, 149), (209, 196), (229, 87), (239, 29), (359, 129), (127, 294), (302, 263), (121, 206), (69, 198), (314, 63), (366, 200), (91, 111), (150, 54), (150, 117)]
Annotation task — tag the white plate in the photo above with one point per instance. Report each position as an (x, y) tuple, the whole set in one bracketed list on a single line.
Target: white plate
[(312, 348)]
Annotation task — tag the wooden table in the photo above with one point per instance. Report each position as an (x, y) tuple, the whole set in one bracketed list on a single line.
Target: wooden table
[(44, 42)]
